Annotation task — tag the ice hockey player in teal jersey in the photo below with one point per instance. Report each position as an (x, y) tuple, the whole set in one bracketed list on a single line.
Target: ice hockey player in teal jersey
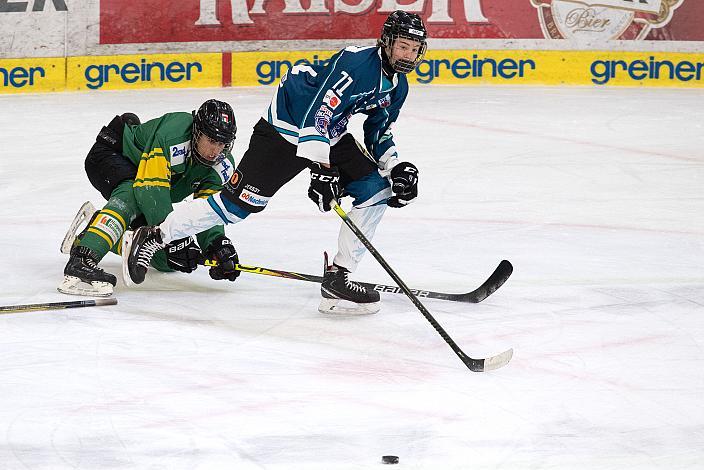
[(305, 126), (141, 170)]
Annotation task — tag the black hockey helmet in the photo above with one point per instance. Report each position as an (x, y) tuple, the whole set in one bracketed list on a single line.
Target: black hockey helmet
[(401, 24), (215, 119)]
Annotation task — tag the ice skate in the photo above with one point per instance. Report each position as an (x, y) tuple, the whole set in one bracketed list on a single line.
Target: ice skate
[(138, 249), (341, 295), (82, 276), (84, 214)]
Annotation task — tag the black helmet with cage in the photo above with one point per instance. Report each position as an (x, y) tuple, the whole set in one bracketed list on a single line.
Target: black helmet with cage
[(401, 24), (216, 120)]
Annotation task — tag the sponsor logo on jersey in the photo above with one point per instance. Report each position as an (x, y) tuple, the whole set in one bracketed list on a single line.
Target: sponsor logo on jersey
[(603, 19), (180, 152), (253, 199), (322, 119), (224, 168), (340, 127), (331, 99), (235, 179)]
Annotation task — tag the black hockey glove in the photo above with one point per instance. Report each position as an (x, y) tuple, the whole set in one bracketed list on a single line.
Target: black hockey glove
[(223, 251), (183, 255), (404, 184), (324, 185)]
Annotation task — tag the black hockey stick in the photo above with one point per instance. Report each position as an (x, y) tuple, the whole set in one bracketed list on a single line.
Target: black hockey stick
[(56, 305), (493, 282), (475, 365)]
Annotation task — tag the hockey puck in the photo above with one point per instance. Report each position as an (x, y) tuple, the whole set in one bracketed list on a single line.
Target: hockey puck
[(389, 459)]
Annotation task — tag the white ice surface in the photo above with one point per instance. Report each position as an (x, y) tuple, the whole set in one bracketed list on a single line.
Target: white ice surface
[(595, 195)]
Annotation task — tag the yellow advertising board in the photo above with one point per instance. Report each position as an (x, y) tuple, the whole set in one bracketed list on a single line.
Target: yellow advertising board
[(144, 71), (266, 68), (32, 75), (440, 67), (630, 69), (499, 67)]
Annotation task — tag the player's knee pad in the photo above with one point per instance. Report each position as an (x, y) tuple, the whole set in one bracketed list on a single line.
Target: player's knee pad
[(369, 190)]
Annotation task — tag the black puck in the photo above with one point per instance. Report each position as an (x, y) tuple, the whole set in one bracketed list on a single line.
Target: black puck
[(389, 459)]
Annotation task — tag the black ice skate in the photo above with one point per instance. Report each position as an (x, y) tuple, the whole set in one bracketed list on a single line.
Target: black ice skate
[(82, 276), (138, 249), (341, 295)]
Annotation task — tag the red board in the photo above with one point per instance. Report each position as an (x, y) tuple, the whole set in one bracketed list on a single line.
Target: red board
[(159, 21)]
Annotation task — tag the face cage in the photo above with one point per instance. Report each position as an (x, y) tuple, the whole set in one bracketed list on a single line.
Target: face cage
[(402, 65), (202, 160)]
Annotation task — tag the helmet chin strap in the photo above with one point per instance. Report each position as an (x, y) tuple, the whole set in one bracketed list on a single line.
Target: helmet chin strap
[(386, 63)]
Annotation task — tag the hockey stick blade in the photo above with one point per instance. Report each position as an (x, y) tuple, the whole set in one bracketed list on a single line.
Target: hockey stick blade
[(497, 279), (56, 305), (500, 275), (489, 363)]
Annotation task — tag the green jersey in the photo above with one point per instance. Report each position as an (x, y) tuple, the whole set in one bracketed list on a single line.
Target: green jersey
[(167, 173)]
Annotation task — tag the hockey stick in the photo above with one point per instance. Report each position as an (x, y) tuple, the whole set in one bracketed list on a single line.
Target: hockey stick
[(493, 282), (56, 305), (475, 365)]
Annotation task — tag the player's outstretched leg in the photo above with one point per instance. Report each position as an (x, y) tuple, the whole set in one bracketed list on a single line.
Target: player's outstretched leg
[(82, 276), (342, 295), (138, 249)]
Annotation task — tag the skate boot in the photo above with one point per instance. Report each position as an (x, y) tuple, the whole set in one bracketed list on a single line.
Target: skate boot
[(82, 276), (341, 295), (138, 249)]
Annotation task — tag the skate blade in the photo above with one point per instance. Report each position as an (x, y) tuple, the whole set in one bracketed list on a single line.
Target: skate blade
[(74, 286), (126, 246), (83, 214), (345, 307)]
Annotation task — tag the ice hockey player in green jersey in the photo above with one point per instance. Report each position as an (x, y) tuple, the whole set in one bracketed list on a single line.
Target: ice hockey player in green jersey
[(141, 170)]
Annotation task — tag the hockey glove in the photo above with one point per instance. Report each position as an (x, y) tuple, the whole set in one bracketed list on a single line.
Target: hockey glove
[(183, 255), (404, 184), (324, 186), (223, 251)]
